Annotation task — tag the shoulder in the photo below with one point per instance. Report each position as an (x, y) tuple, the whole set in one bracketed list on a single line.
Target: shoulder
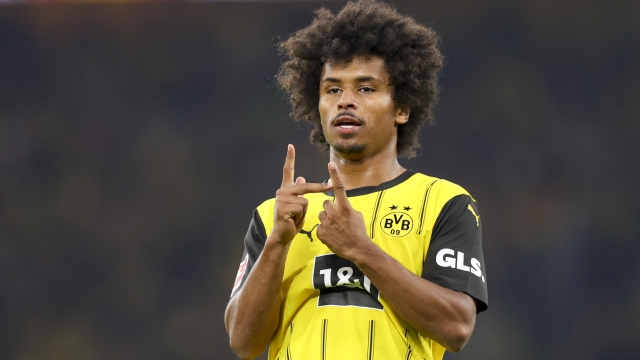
[(266, 208), (440, 190), (266, 204)]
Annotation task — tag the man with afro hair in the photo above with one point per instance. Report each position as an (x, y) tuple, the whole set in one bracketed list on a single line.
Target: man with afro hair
[(378, 262)]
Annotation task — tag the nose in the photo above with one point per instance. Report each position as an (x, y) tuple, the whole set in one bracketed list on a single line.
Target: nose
[(347, 100)]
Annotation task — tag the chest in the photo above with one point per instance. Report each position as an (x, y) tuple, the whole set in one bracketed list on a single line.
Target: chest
[(392, 220)]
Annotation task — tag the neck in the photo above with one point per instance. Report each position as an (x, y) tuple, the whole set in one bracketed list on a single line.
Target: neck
[(371, 171)]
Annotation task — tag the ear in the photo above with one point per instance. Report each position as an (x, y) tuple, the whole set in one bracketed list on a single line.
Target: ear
[(402, 114)]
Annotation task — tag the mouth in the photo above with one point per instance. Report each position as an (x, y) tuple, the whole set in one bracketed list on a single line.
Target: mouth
[(347, 122)]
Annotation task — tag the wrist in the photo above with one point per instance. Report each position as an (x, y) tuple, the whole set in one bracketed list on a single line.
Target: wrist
[(365, 253), (275, 243), (281, 238)]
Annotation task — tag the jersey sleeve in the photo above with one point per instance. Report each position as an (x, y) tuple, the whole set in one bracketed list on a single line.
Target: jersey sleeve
[(454, 259), (253, 245)]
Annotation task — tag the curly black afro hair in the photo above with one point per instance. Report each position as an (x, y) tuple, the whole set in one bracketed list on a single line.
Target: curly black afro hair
[(364, 28)]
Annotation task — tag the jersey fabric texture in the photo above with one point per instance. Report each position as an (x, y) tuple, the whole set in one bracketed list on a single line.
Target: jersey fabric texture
[(331, 310)]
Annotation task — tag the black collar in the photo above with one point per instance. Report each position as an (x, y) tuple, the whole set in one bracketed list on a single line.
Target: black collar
[(371, 189)]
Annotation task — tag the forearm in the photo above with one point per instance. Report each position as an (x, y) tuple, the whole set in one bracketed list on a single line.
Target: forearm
[(252, 315), (445, 315)]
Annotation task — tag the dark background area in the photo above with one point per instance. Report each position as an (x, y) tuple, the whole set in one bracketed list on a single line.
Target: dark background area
[(136, 139)]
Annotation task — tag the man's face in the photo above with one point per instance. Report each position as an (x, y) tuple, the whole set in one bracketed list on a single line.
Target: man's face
[(357, 110)]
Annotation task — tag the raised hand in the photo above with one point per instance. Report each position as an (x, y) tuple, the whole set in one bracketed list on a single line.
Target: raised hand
[(291, 206), (341, 227)]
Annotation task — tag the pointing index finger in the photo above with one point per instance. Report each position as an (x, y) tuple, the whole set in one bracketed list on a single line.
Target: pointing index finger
[(289, 166), (338, 186), (307, 188)]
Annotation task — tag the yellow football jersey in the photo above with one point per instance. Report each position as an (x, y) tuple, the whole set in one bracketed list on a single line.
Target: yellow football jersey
[(331, 310)]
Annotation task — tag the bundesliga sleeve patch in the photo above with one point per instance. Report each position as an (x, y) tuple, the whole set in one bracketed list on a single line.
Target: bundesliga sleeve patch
[(241, 270), (253, 244)]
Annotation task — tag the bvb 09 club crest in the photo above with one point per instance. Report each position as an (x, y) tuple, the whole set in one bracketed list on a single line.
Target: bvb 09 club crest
[(396, 224)]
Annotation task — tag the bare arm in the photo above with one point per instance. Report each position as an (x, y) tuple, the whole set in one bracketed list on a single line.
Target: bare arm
[(252, 315), (445, 315)]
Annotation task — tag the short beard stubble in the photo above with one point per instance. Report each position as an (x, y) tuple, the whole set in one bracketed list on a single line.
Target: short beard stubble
[(351, 149)]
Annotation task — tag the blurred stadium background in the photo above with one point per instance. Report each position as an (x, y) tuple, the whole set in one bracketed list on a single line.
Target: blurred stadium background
[(136, 139)]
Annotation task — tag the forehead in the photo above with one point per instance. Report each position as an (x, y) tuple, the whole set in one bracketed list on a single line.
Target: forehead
[(358, 67)]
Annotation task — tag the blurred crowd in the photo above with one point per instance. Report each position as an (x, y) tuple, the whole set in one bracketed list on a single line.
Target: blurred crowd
[(136, 139)]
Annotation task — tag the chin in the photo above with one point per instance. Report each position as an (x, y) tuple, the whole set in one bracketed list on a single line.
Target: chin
[(349, 149)]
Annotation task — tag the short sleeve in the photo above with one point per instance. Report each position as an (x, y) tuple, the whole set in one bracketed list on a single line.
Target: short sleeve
[(253, 245), (454, 258)]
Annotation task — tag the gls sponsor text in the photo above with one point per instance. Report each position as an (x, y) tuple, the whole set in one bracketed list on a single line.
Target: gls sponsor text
[(455, 259)]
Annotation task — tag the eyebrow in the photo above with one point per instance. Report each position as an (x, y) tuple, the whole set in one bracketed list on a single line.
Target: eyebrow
[(358, 79)]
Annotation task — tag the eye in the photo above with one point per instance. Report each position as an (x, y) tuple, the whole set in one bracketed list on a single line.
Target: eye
[(367, 89), (333, 90)]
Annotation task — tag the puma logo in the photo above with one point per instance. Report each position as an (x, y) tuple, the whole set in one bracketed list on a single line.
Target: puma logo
[(308, 233), (474, 214)]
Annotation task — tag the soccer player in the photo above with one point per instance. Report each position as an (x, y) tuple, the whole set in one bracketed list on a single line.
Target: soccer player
[(378, 262)]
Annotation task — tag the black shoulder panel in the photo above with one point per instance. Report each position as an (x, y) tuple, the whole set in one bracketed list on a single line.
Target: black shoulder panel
[(253, 245), (454, 259)]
